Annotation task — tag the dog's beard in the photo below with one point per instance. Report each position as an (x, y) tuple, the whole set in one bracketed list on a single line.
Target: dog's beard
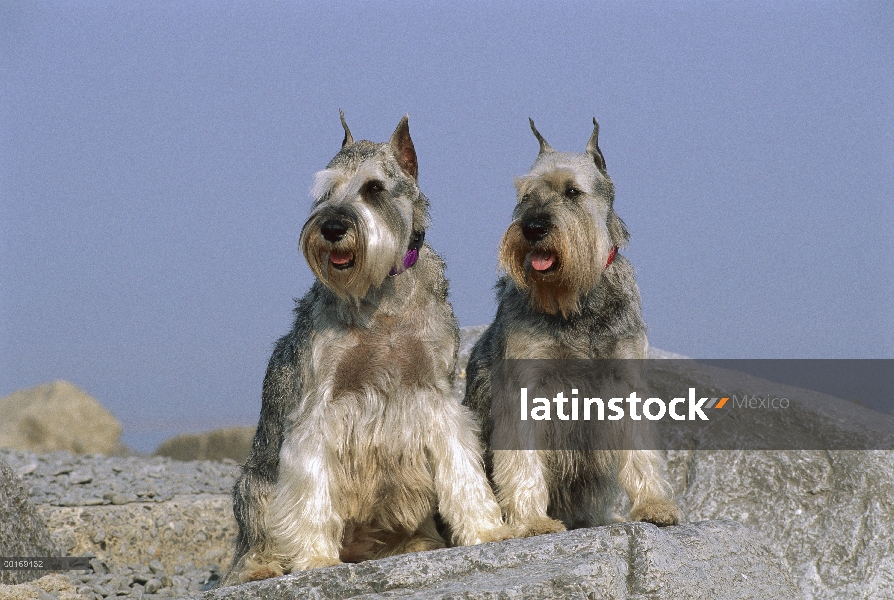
[(360, 261), (558, 271)]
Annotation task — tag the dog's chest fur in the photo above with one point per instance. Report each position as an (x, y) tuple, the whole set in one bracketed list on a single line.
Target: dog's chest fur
[(374, 389)]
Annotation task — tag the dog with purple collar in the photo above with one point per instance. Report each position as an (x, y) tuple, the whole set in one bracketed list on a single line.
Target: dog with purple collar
[(360, 439)]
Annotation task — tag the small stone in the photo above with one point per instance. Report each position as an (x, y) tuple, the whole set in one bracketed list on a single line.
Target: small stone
[(92, 501), (156, 567), (99, 536), (26, 469), (99, 567), (80, 477), (152, 586), (210, 582), (179, 528)]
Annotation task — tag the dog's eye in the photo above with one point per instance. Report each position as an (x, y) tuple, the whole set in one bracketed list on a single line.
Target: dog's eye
[(572, 192), (374, 187)]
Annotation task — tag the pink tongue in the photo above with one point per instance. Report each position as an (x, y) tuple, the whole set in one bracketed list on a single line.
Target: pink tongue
[(541, 261), (340, 258)]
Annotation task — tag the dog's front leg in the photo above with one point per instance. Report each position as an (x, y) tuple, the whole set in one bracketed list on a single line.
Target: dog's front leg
[(523, 491), (641, 468), (465, 499), (642, 478), (306, 531)]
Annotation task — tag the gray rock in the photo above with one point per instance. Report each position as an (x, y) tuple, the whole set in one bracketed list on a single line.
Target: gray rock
[(232, 442), (717, 559), (827, 510), (53, 586), (23, 532), (57, 416)]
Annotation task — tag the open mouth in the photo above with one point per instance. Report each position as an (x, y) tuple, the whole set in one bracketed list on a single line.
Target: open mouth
[(341, 260), (543, 262)]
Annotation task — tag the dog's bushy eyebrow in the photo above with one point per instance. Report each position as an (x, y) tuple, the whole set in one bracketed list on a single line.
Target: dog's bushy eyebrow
[(324, 181), (558, 179), (524, 183)]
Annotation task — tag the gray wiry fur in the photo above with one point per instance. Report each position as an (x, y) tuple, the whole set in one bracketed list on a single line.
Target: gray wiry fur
[(570, 307), (359, 440)]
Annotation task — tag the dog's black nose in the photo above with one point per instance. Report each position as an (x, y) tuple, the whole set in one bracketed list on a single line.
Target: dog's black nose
[(333, 230), (535, 229)]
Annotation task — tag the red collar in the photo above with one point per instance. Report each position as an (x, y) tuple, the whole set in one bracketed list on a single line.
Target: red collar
[(611, 257)]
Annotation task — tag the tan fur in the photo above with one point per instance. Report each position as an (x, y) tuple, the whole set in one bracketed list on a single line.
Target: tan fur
[(580, 307)]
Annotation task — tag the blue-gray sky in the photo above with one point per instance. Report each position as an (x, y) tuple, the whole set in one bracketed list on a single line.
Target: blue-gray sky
[(156, 158)]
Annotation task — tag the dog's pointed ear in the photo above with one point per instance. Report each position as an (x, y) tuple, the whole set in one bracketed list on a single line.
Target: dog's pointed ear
[(593, 148), (403, 148), (617, 231), (349, 139), (544, 146)]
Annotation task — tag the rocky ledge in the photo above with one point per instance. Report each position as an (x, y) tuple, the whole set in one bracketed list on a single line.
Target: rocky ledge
[(713, 559)]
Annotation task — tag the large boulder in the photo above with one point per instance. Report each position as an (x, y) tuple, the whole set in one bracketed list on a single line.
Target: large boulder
[(57, 416), (233, 443), (23, 532), (718, 559), (826, 508)]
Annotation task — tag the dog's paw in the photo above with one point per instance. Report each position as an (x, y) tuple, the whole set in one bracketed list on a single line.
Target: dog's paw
[(422, 544), (314, 562), (498, 534), (254, 566), (264, 572), (538, 526), (657, 512)]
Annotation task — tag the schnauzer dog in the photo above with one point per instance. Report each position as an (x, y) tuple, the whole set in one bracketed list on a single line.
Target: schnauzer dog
[(566, 294), (360, 440)]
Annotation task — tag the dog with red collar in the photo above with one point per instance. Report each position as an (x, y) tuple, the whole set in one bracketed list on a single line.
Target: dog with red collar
[(566, 295)]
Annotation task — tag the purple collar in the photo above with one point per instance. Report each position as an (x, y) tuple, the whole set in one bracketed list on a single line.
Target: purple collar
[(412, 254)]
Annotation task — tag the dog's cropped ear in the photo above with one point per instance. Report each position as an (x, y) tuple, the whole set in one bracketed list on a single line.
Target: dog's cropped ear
[(349, 139), (593, 148), (403, 148), (617, 231), (544, 146)]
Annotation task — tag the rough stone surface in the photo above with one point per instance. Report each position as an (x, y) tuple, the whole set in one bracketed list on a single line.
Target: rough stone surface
[(57, 416), (718, 559), (23, 532), (64, 479), (48, 587), (231, 442), (197, 528), (829, 511)]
